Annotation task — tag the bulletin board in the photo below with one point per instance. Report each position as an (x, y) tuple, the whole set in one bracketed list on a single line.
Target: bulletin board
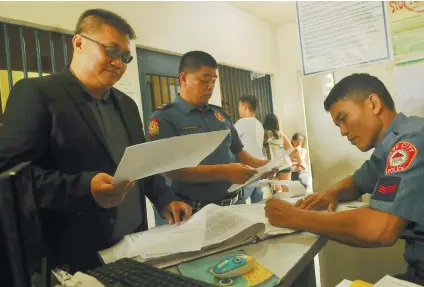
[(337, 35)]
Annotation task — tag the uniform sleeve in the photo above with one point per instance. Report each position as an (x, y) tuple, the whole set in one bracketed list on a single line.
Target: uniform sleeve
[(366, 177), (158, 192), (160, 126), (400, 191)]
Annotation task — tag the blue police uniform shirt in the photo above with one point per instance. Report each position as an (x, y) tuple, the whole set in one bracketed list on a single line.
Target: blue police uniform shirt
[(395, 176), (182, 118)]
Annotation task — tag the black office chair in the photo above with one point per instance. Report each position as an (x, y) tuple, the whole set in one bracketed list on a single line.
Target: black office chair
[(21, 245)]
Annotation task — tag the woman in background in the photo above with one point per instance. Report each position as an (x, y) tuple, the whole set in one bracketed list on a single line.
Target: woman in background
[(276, 143), (299, 167)]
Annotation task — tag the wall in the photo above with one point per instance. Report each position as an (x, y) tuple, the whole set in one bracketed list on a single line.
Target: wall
[(332, 156), (176, 27), (288, 100)]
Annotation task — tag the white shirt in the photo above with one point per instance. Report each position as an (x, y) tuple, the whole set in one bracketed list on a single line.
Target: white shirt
[(277, 149), (251, 134)]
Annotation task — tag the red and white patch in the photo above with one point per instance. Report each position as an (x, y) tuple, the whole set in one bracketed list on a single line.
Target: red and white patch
[(400, 157)]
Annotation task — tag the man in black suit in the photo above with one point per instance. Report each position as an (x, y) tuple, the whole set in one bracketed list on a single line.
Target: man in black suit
[(75, 127)]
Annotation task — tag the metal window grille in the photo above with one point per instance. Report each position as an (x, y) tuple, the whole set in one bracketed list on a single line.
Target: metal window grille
[(27, 52), (238, 82), (162, 89)]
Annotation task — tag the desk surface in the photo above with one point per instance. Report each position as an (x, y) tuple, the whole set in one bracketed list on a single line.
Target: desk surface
[(286, 256)]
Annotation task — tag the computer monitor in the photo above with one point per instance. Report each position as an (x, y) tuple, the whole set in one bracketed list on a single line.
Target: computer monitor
[(22, 248)]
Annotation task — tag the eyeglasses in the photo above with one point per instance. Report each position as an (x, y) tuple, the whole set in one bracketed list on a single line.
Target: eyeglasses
[(113, 52)]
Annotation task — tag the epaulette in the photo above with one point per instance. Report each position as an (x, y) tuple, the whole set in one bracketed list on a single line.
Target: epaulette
[(221, 109), (163, 107), (218, 107)]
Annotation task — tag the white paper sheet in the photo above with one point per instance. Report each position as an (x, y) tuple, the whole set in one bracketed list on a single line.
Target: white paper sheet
[(275, 163), (344, 283), (143, 160), (169, 239), (256, 213), (389, 281)]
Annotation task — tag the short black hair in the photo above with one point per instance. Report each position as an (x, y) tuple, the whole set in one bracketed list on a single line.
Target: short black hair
[(359, 86), (194, 60), (92, 20), (251, 102)]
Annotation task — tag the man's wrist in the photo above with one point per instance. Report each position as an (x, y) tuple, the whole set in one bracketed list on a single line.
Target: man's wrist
[(297, 217)]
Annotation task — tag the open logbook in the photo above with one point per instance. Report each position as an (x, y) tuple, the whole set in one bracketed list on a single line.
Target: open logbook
[(212, 229)]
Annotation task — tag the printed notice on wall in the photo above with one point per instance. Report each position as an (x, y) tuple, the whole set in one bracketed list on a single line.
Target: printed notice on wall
[(410, 89), (407, 27), (335, 35)]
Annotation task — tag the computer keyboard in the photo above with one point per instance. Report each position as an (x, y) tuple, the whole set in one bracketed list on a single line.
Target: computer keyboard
[(130, 273)]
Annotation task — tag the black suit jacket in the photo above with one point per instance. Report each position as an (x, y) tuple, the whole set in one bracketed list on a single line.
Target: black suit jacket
[(48, 121)]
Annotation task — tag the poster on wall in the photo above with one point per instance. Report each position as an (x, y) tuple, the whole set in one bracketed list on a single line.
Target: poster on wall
[(410, 87), (407, 30), (336, 35)]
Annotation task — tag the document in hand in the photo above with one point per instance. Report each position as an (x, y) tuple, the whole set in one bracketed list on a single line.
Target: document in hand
[(212, 228), (143, 160), (275, 163)]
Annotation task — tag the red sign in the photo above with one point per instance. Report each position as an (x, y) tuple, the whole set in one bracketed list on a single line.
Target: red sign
[(400, 157)]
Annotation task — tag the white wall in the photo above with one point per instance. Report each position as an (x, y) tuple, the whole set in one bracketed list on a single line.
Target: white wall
[(288, 100), (232, 36)]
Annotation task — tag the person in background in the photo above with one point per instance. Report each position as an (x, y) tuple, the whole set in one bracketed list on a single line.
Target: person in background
[(276, 143), (363, 109), (74, 127), (299, 167), (251, 133)]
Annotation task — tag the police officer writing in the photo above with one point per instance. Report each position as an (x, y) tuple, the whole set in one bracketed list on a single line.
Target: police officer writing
[(363, 109), (74, 127), (191, 113)]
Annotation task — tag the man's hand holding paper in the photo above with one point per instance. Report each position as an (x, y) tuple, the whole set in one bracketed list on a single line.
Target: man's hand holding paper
[(107, 194)]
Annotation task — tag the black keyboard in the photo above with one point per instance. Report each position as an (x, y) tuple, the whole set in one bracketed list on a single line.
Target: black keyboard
[(130, 273)]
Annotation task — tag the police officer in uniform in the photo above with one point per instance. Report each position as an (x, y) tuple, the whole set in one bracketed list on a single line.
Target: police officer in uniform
[(363, 109), (190, 113)]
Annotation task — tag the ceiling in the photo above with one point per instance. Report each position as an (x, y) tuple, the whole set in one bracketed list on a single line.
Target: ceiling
[(276, 13)]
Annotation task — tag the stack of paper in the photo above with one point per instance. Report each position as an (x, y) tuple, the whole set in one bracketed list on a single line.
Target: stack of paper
[(386, 281), (169, 239)]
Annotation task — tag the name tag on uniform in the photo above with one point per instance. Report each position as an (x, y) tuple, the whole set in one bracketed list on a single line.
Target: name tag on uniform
[(387, 188), (191, 127)]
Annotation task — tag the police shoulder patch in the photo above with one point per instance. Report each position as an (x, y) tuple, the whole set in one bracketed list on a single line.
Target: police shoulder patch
[(219, 116), (400, 157), (163, 107), (154, 127)]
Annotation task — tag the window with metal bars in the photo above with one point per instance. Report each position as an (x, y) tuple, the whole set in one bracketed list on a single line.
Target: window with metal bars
[(27, 52), (238, 82), (162, 89)]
